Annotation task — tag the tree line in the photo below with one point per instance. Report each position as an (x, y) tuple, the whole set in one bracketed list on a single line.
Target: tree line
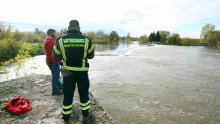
[(100, 37), (16, 45), (208, 37)]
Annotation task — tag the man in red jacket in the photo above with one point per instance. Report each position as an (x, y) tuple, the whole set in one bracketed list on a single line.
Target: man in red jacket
[(54, 65)]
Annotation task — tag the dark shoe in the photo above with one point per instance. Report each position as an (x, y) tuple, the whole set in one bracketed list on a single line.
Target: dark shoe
[(58, 92), (86, 120), (66, 121)]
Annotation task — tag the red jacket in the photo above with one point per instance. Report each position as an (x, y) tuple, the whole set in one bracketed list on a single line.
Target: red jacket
[(18, 105), (48, 48)]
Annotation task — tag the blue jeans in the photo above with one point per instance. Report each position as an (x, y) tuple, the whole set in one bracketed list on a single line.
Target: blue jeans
[(55, 71)]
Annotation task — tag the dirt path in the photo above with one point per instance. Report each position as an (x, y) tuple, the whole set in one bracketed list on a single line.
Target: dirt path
[(46, 109)]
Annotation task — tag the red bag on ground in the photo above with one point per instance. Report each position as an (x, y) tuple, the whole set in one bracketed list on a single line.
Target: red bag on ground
[(18, 105)]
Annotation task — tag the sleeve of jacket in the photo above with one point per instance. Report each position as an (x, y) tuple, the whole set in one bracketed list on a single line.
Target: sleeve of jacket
[(91, 52), (57, 53)]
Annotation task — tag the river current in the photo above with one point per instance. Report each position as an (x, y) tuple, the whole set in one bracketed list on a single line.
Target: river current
[(157, 84)]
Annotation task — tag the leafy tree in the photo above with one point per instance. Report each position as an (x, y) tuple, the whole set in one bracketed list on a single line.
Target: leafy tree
[(206, 34), (217, 36), (215, 39), (92, 35), (114, 37), (189, 42), (209, 36), (106, 38), (19, 36), (5, 31), (37, 31), (143, 39), (174, 39), (164, 35), (100, 35)]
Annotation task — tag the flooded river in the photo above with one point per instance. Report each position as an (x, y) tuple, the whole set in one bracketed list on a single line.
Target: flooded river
[(150, 84)]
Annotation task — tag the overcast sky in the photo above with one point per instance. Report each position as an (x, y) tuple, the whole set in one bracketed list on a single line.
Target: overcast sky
[(137, 17)]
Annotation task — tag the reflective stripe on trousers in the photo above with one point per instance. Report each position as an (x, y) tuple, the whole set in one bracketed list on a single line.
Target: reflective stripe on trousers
[(85, 106), (67, 110)]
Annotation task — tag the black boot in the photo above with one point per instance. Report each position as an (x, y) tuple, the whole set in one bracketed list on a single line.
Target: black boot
[(58, 92)]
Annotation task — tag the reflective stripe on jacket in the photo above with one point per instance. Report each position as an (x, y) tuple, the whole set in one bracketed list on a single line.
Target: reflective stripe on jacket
[(74, 49)]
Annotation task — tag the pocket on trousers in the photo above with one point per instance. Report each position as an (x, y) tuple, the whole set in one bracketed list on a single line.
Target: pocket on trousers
[(66, 73)]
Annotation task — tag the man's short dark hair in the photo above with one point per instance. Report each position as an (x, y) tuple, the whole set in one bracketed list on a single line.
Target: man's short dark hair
[(50, 31), (73, 25)]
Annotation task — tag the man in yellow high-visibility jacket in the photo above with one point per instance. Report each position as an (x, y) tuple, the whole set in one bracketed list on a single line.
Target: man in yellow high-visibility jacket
[(74, 49)]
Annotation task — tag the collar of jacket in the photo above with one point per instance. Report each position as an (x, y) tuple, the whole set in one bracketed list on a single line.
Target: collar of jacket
[(74, 31)]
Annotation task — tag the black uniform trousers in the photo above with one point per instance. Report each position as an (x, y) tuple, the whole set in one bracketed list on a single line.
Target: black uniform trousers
[(82, 81)]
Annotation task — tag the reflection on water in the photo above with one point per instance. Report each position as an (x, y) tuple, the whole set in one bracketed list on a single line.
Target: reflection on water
[(119, 48), (105, 47), (116, 46), (150, 84)]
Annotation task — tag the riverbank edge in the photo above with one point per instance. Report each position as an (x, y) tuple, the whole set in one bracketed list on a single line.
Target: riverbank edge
[(45, 107)]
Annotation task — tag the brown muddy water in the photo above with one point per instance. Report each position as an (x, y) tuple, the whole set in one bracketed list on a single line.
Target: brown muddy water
[(149, 84)]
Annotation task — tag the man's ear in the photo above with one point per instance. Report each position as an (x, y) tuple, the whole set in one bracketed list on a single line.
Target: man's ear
[(53, 35)]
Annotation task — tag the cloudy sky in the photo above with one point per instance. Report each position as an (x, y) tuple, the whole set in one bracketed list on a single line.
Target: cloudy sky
[(136, 17)]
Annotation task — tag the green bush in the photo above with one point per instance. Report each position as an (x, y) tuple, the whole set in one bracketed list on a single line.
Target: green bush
[(33, 49), (190, 42), (12, 52), (9, 49), (36, 49)]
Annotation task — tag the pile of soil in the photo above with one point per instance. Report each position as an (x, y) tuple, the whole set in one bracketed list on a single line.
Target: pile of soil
[(46, 109)]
